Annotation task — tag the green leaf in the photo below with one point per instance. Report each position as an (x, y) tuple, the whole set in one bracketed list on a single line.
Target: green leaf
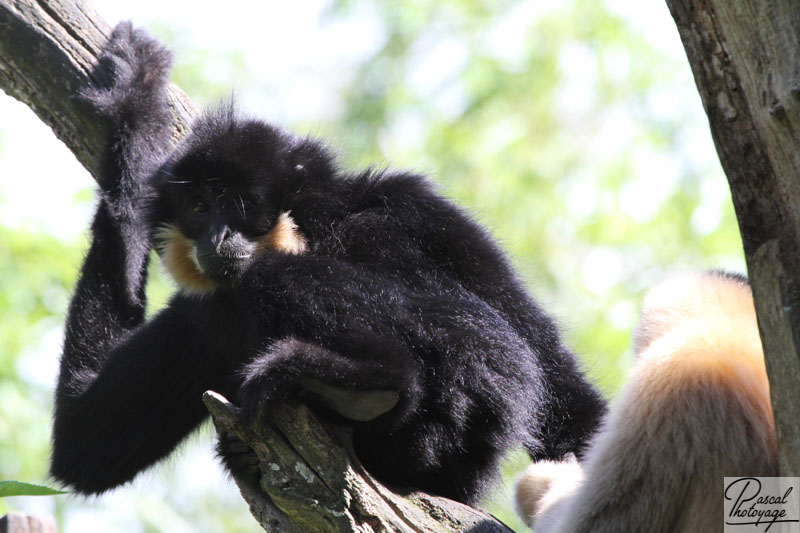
[(18, 488)]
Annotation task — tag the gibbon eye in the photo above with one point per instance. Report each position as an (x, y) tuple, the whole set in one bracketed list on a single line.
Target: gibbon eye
[(248, 203), (198, 206)]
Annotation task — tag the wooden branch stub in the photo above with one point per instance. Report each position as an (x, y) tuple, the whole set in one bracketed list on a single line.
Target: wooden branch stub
[(16, 522), (48, 50), (745, 57), (314, 482)]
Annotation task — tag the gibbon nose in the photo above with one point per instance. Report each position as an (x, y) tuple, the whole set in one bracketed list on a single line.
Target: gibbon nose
[(218, 235)]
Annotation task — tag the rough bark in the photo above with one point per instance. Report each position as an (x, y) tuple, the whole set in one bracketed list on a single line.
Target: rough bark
[(314, 481), (745, 56), (48, 50), (310, 479)]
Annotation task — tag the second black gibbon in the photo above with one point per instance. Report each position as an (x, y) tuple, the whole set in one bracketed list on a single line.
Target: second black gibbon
[(695, 409), (292, 269)]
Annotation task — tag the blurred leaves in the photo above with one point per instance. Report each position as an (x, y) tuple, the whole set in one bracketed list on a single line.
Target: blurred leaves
[(205, 72), (36, 272)]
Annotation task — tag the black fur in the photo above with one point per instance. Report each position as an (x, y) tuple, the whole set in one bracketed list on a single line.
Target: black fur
[(397, 289)]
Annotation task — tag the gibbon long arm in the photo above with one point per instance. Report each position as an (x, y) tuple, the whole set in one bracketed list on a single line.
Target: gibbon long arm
[(115, 369)]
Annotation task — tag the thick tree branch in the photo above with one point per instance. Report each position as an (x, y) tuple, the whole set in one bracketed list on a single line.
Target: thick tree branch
[(315, 482), (745, 56), (310, 480), (48, 50)]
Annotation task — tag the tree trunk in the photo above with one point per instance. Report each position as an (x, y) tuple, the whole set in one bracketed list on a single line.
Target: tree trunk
[(745, 56), (310, 479)]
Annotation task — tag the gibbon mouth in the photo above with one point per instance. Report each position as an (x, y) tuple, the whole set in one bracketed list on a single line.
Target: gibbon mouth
[(222, 268), (223, 256)]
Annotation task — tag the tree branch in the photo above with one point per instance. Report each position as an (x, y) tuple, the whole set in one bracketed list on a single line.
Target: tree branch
[(315, 482), (310, 479), (16, 522), (48, 50), (745, 56)]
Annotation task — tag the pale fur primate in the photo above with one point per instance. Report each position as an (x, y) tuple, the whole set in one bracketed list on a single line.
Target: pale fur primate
[(694, 410)]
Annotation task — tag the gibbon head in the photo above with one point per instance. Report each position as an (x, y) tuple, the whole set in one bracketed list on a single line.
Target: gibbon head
[(685, 298), (221, 198)]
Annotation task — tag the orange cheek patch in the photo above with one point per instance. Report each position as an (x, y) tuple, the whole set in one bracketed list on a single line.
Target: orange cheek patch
[(283, 237), (177, 252), (178, 255)]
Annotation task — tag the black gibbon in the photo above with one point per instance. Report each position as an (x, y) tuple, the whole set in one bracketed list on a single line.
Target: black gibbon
[(695, 409), (291, 269)]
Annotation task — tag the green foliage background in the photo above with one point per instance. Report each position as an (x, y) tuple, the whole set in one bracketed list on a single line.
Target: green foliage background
[(572, 133)]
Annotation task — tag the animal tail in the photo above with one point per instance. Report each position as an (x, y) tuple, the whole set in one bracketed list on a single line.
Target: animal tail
[(695, 409)]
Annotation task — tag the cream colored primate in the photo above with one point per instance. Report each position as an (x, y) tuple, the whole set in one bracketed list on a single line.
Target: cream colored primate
[(695, 409)]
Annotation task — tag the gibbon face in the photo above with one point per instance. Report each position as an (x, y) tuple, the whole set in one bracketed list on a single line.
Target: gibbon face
[(218, 204)]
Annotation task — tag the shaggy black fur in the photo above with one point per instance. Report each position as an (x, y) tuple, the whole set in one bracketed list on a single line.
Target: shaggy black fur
[(396, 288)]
